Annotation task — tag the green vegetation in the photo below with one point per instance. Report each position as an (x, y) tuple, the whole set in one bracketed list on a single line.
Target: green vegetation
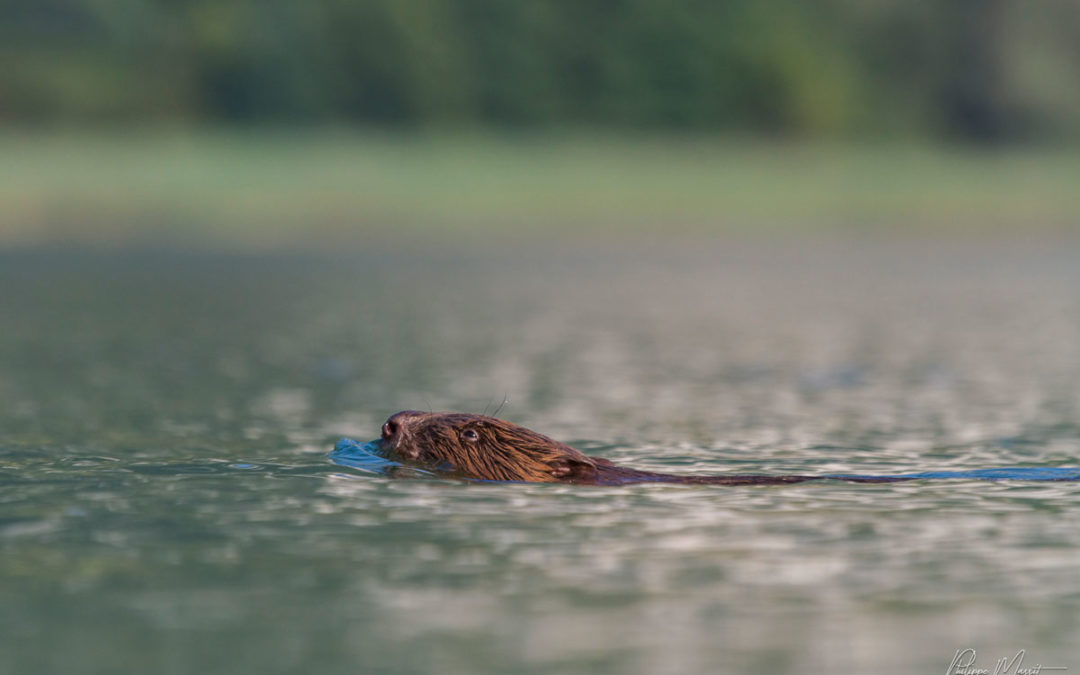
[(324, 189), (980, 69), (342, 120)]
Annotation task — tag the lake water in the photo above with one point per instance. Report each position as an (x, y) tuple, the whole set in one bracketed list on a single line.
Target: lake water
[(167, 504)]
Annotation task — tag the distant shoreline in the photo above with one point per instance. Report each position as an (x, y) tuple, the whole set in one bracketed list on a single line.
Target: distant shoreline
[(279, 190)]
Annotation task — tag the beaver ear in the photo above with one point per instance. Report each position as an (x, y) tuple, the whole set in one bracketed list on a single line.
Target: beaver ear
[(573, 470)]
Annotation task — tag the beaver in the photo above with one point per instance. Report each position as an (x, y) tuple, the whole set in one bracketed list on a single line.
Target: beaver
[(478, 447)]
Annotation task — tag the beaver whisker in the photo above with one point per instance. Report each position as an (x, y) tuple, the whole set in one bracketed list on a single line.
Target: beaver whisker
[(506, 399)]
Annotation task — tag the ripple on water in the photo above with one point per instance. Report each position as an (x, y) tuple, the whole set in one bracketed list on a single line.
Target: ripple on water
[(166, 504)]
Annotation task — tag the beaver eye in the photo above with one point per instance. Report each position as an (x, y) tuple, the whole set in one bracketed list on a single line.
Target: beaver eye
[(470, 435)]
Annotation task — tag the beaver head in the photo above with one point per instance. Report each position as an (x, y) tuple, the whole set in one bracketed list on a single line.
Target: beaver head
[(482, 447)]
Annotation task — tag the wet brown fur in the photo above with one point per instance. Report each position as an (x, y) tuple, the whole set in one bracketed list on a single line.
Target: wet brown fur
[(503, 451)]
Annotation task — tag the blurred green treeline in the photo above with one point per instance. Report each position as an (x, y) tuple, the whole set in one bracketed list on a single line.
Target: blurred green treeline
[(978, 69)]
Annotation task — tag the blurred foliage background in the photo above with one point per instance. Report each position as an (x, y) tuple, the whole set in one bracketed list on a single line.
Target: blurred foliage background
[(983, 69), (82, 79)]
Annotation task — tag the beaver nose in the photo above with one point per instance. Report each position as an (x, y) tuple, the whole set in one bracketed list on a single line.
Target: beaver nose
[(389, 429), (397, 421)]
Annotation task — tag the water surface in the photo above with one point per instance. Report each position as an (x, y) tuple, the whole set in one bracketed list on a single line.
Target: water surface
[(167, 503)]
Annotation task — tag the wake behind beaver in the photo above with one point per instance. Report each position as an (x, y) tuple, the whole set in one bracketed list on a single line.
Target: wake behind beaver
[(483, 448)]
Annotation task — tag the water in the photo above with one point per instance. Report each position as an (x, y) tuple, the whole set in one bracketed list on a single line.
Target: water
[(167, 503), (373, 459)]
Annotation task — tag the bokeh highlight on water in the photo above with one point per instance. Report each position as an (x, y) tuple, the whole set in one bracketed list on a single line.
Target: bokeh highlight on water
[(168, 504)]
